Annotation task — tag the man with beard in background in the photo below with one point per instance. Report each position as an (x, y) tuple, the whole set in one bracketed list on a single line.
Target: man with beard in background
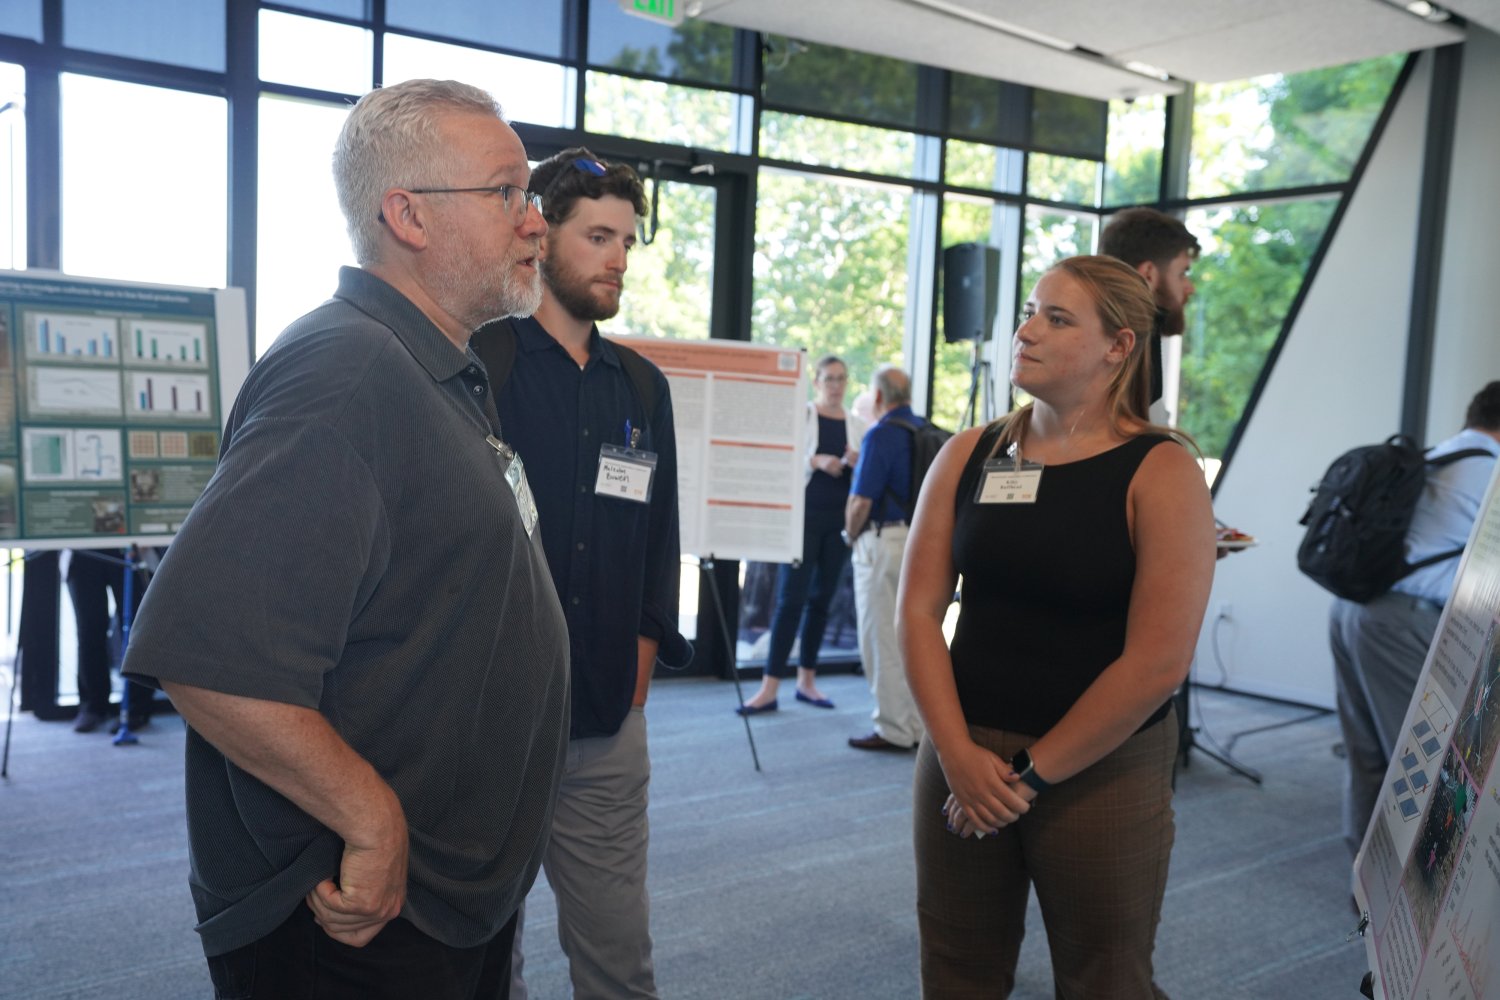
[(593, 421), (1162, 251)]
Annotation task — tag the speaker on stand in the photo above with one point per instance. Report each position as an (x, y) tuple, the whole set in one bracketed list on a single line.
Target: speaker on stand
[(971, 285)]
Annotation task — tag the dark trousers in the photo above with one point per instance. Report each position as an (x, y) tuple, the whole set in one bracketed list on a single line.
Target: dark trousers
[(298, 961), (1096, 849), (37, 638), (804, 591), (91, 579)]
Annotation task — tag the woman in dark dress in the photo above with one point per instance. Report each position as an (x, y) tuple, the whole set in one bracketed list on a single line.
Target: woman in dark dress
[(804, 589), (1084, 538)]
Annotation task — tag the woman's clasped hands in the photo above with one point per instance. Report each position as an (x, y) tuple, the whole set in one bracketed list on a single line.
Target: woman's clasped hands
[(984, 793)]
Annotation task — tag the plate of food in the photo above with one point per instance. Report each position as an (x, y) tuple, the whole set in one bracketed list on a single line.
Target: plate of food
[(1234, 538)]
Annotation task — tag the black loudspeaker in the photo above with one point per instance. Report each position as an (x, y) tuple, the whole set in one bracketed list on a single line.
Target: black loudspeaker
[(971, 286)]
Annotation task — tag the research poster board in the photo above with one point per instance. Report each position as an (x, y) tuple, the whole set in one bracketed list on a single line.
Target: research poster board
[(1428, 872), (112, 404), (741, 416)]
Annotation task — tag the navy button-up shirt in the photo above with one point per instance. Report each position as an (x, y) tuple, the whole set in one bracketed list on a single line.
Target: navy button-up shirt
[(616, 562)]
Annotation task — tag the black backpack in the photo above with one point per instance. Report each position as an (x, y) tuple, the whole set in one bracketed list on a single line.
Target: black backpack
[(927, 439), (1358, 519)]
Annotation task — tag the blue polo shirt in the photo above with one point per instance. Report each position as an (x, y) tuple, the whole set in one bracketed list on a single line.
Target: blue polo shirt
[(885, 463), (616, 563)]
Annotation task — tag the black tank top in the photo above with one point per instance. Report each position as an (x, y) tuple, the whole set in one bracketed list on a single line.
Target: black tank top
[(824, 492), (1046, 588)]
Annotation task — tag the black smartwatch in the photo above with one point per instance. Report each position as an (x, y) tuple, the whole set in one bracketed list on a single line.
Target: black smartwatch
[(1026, 771)]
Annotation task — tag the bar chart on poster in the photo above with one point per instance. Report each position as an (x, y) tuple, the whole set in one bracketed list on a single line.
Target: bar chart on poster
[(112, 400)]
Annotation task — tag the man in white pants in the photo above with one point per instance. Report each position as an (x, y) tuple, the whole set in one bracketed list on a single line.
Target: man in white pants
[(875, 525)]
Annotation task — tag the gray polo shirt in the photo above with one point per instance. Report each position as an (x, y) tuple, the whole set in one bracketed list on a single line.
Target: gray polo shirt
[(358, 551)]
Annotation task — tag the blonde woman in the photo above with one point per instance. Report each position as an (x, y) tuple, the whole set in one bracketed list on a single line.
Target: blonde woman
[(1084, 538), (804, 589)]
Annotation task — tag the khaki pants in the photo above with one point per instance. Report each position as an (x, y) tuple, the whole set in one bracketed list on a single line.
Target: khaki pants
[(1095, 846), (877, 574)]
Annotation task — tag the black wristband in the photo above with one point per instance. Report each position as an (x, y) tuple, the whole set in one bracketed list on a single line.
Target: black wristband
[(1026, 771)]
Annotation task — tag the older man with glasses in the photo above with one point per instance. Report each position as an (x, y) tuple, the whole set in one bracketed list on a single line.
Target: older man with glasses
[(377, 714)]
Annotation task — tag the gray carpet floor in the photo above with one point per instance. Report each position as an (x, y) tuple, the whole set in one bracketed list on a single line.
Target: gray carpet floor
[(792, 882)]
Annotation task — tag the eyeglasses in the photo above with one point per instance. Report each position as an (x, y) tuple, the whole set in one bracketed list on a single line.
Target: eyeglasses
[(516, 206)]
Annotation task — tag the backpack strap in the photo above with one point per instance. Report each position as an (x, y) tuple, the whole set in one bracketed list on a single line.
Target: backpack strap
[(890, 494), (1454, 456), (1436, 463), (495, 344), (641, 376)]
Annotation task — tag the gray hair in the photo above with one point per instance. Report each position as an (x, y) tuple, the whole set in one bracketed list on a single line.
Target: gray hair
[(391, 139), (893, 384)]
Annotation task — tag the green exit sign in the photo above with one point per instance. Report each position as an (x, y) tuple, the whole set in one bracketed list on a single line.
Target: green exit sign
[(661, 11)]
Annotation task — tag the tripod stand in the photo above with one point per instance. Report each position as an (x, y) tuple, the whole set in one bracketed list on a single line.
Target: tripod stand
[(1187, 740), (980, 385)]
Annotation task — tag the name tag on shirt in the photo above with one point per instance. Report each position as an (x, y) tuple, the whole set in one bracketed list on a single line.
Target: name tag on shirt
[(625, 473), (1002, 481), (515, 478)]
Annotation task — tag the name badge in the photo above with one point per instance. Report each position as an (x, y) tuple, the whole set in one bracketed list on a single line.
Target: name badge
[(625, 473), (1002, 481), (515, 478)]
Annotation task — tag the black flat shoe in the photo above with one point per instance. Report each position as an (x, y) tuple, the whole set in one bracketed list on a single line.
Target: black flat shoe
[(769, 706)]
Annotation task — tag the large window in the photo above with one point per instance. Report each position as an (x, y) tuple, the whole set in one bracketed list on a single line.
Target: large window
[(140, 202), (535, 27), (825, 143), (320, 55), (958, 371), (843, 249), (182, 32), (1275, 133), (1132, 168), (1286, 131), (540, 93), (303, 239), (830, 268), (1254, 259), (695, 50), (669, 286), (664, 112), (12, 166)]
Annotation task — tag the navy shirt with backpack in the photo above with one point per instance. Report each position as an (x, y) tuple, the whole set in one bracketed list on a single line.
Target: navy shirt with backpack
[(893, 460)]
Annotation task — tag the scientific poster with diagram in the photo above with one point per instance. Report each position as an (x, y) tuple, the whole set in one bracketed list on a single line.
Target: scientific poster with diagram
[(741, 416), (1428, 873), (112, 400)]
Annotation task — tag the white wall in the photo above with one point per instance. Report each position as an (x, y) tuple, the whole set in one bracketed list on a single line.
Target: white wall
[(1467, 353), (1338, 382)]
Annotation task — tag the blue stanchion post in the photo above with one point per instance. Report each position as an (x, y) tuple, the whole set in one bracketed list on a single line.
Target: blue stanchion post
[(124, 737)]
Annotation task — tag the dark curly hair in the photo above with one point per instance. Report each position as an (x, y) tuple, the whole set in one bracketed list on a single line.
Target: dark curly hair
[(577, 173), (1484, 409), (1136, 235)]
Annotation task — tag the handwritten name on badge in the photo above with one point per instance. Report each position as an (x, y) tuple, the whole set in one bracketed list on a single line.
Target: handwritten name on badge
[(626, 480)]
